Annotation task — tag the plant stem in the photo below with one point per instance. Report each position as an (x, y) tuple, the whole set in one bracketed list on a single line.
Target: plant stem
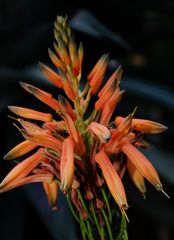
[(107, 224), (72, 209), (122, 228), (107, 204), (89, 230), (101, 233), (83, 203)]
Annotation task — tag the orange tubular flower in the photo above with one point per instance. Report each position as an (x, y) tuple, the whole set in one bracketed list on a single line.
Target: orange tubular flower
[(24, 168), (74, 56), (142, 125), (39, 136), (41, 95), (118, 134), (20, 150), (55, 60), (51, 75), (46, 178), (96, 75), (101, 131), (109, 107), (51, 190), (142, 164), (115, 76), (67, 164), (31, 114), (136, 177), (112, 179), (67, 85), (66, 107)]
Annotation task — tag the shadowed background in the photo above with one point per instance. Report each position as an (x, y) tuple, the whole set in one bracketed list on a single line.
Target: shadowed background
[(139, 35)]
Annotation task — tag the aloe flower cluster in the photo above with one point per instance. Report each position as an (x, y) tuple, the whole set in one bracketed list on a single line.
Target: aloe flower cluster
[(81, 152)]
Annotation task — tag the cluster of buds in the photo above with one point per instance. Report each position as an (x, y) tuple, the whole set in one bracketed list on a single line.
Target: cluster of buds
[(82, 154)]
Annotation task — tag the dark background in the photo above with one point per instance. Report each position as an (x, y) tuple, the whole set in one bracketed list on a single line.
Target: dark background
[(139, 35)]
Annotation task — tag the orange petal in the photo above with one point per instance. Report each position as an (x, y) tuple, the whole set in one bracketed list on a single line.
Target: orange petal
[(62, 51), (136, 177), (74, 56), (52, 126), (109, 107), (143, 125), (47, 178), (41, 95), (45, 140), (40, 136), (56, 61), (121, 131), (142, 164), (31, 114), (67, 85), (24, 167), (51, 190), (66, 107), (51, 75), (97, 66), (101, 131), (112, 179), (70, 126), (97, 79), (67, 164), (21, 149), (105, 96), (115, 76)]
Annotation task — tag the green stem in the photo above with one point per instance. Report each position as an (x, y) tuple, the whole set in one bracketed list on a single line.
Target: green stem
[(107, 204), (82, 227), (122, 228), (72, 209), (83, 203), (89, 230), (107, 224), (101, 233)]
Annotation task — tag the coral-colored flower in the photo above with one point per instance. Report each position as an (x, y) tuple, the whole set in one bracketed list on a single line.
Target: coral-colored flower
[(136, 177), (21, 149), (113, 180), (142, 125), (100, 131), (51, 190), (24, 168), (67, 164), (143, 165), (31, 114)]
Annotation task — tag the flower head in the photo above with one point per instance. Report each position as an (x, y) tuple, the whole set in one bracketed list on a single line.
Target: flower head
[(82, 154)]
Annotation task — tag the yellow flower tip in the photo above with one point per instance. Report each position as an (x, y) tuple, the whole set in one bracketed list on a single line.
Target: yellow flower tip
[(125, 214), (164, 193)]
